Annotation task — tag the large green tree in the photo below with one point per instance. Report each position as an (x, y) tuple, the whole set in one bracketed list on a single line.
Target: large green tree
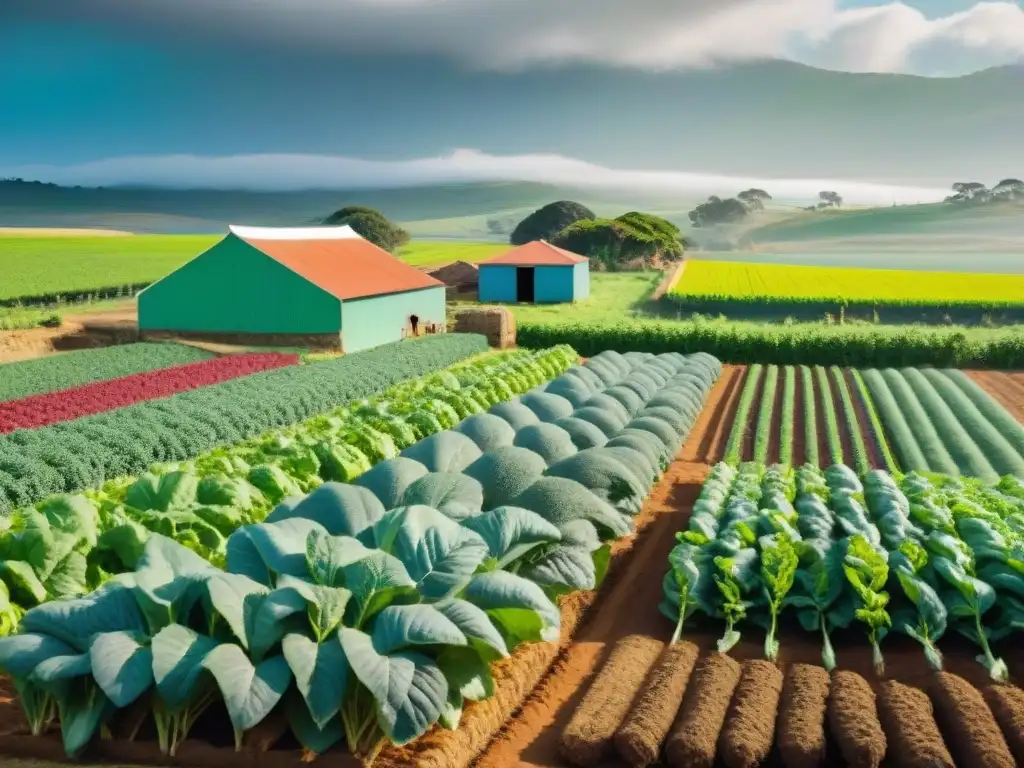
[(370, 224), (718, 211), (545, 223), (615, 244)]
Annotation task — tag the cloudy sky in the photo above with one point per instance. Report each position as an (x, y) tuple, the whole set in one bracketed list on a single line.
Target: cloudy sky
[(92, 80)]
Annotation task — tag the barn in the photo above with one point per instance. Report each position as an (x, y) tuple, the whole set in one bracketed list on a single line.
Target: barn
[(303, 286), (537, 272)]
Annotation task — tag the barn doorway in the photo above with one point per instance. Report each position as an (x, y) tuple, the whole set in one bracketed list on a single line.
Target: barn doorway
[(414, 324), (524, 284)]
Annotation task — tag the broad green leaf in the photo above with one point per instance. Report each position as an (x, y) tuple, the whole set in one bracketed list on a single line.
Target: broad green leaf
[(24, 585), (261, 552), (564, 569), (327, 555), (250, 692), (438, 553), (325, 605), (178, 654), (127, 541), (111, 608), (55, 670), (21, 654), (466, 672), (237, 599), (410, 690), (71, 514), (175, 490), (321, 674), (68, 579), (82, 707), (474, 623), (398, 627), (315, 739), (511, 599), (121, 665), (512, 532)]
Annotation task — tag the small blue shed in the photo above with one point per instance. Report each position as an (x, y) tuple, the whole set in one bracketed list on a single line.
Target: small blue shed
[(535, 273)]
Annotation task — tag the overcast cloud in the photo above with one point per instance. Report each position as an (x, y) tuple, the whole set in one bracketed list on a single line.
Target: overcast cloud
[(298, 172), (653, 34)]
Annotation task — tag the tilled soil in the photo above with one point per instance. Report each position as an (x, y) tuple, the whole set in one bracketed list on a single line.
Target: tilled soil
[(801, 723), (693, 739), (909, 723), (750, 724), (1006, 387), (587, 739), (872, 441)]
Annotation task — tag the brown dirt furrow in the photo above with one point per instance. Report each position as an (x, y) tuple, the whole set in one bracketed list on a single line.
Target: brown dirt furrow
[(776, 427), (968, 724), (801, 726), (750, 433), (1006, 387), (799, 428), (845, 438), (853, 721), (720, 410), (645, 728), (914, 737), (824, 452), (531, 737), (587, 739), (871, 440), (1007, 704), (693, 740), (750, 725)]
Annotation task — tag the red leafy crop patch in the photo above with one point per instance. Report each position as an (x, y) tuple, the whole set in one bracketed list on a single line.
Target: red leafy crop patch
[(99, 396)]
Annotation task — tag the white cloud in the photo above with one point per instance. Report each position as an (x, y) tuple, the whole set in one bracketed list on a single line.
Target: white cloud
[(653, 34), (297, 172)]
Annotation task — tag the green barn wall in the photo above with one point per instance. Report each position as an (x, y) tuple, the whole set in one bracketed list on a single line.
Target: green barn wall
[(234, 288), (379, 320)]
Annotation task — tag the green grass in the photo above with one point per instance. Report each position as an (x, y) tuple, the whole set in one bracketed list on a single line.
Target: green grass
[(43, 268), (425, 253)]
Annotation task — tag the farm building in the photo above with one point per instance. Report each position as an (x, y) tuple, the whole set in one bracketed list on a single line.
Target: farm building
[(460, 277), (304, 286), (537, 272)]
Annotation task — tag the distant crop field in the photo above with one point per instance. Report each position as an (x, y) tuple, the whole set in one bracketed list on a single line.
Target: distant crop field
[(744, 281), (41, 269)]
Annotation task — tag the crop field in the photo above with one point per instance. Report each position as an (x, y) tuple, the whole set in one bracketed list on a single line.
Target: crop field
[(523, 501), (748, 288), (900, 420), (864, 678), (79, 267)]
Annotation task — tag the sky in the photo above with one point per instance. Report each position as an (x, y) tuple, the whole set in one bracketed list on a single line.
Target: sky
[(95, 80)]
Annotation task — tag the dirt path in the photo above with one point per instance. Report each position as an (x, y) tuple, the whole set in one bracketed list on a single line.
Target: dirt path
[(750, 428), (530, 738), (720, 413), (775, 427), (1006, 387), (871, 440), (824, 451)]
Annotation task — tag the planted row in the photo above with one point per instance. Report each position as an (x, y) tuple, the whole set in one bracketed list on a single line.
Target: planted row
[(914, 556), (65, 545), (97, 397), (87, 452), (941, 421), (73, 369)]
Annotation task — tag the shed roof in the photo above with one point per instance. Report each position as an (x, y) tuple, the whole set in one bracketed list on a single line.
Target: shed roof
[(456, 273), (539, 253), (336, 259)]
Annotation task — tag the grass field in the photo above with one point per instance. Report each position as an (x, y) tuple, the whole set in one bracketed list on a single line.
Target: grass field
[(46, 267), (735, 280)]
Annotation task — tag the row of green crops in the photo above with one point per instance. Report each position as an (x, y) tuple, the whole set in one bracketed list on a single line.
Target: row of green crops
[(916, 555), (942, 421), (87, 452), (66, 545), (73, 369), (367, 625), (845, 345)]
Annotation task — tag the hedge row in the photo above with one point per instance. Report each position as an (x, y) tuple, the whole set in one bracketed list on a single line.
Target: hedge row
[(87, 452), (855, 346), (73, 369)]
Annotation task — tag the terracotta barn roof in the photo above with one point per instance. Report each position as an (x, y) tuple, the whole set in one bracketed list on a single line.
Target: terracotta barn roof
[(539, 253), (341, 263)]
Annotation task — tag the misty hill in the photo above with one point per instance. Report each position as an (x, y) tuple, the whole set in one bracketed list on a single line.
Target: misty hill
[(477, 211)]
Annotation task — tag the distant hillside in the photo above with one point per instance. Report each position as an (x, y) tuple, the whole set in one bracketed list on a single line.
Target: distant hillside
[(471, 211), (941, 226)]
